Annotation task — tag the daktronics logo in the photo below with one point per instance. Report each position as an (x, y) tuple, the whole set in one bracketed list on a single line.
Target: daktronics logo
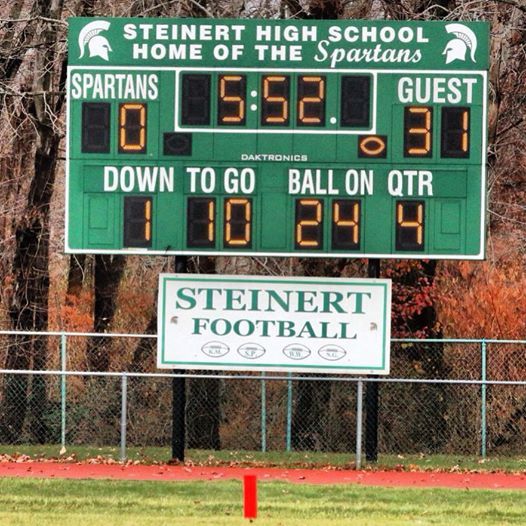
[(90, 38)]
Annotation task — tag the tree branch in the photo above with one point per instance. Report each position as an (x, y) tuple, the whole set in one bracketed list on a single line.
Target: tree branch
[(500, 133), (519, 4), (11, 92), (202, 8), (62, 23)]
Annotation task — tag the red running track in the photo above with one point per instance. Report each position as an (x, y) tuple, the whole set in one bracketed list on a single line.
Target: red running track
[(421, 479)]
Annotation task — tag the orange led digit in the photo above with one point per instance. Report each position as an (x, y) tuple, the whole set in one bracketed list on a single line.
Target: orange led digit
[(417, 224), (148, 220), (132, 128), (311, 101), (238, 222), (137, 221), (346, 224), (465, 128), (455, 132), (201, 222), (309, 214), (417, 131), (231, 103), (211, 216), (275, 102), (409, 225)]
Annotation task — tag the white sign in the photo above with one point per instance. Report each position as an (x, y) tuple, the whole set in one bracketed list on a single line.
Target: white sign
[(248, 323)]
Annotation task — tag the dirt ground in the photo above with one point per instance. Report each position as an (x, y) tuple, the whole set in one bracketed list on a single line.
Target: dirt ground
[(305, 476)]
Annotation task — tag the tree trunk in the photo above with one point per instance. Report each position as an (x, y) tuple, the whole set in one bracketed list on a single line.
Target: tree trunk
[(309, 420), (144, 353), (28, 308), (203, 406), (203, 413), (107, 277), (430, 428), (326, 10), (395, 9), (76, 272)]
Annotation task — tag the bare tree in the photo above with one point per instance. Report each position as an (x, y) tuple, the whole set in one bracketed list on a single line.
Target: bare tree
[(28, 309)]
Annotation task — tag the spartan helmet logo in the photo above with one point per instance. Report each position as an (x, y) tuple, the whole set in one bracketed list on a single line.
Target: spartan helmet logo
[(98, 45), (464, 39)]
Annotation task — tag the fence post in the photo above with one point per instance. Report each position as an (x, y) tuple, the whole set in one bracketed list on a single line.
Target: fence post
[(124, 414), (289, 414), (63, 365), (483, 388), (359, 423), (263, 415)]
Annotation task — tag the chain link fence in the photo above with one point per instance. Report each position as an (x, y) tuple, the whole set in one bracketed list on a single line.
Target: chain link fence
[(442, 396)]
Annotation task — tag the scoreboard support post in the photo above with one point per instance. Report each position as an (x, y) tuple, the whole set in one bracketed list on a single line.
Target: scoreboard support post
[(371, 422), (179, 392), (178, 418), (371, 393)]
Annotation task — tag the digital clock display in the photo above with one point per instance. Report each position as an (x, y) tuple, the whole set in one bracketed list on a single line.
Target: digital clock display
[(288, 100), (364, 139)]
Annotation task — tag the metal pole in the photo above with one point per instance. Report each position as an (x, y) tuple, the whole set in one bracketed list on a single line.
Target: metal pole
[(371, 393), (359, 423), (124, 414), (179, 393), (178, 418), (263, 415), (289, 413), (63, 351), (483, 388)]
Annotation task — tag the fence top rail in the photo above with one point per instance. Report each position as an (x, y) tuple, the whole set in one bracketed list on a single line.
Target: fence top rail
[(456, 340), (77, 334), (264, 376), (7, 332)]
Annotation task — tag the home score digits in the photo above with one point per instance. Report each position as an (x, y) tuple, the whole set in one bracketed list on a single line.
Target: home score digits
[(277, 137)]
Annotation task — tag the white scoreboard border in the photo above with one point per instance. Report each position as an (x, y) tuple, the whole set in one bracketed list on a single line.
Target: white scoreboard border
[(140, 251)]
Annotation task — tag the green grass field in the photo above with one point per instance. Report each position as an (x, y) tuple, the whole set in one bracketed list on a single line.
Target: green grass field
[(275, 458), (117, 503)]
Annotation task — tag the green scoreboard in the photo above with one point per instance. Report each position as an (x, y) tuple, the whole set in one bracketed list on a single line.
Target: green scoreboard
[(346, 138)]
